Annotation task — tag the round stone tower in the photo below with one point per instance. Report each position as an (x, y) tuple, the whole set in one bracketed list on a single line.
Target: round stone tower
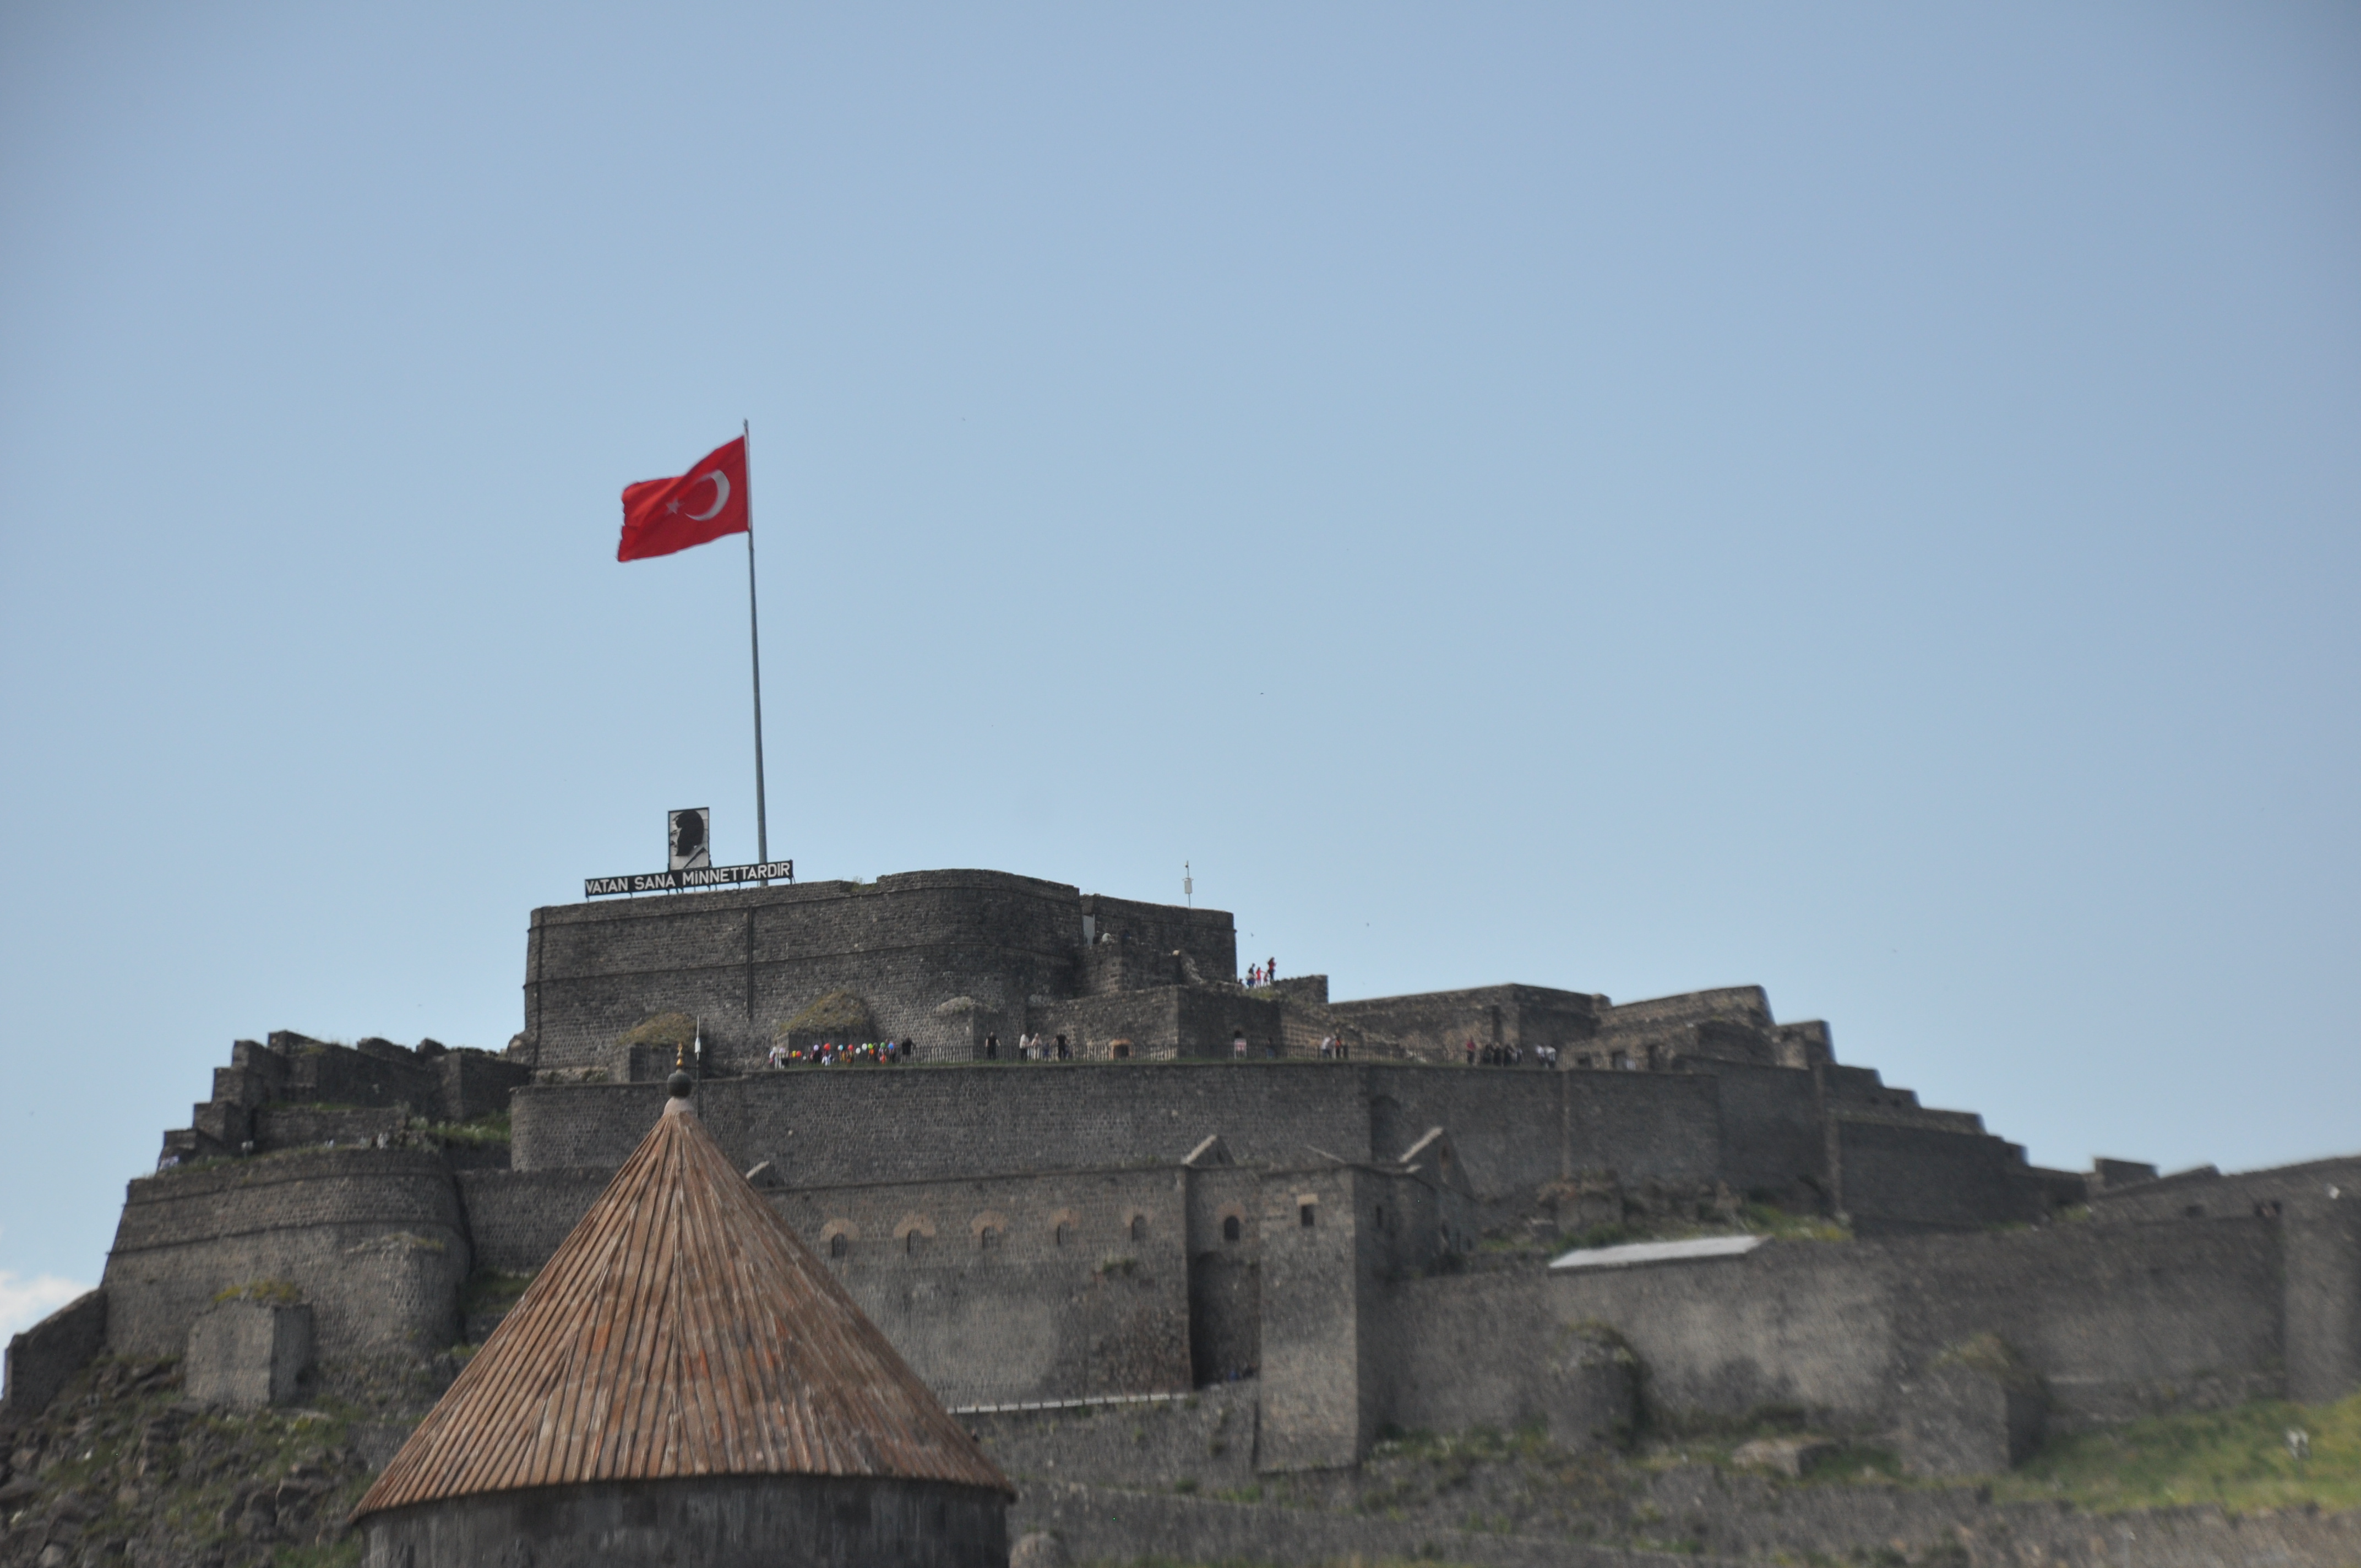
[(685, 1384)]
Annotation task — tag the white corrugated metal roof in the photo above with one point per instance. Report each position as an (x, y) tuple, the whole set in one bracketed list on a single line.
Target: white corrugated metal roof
[(1658, 1252)]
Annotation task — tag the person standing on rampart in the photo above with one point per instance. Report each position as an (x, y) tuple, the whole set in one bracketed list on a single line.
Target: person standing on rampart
[(992, 1047)]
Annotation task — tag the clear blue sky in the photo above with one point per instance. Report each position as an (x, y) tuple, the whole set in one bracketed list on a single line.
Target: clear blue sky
[(1861, 501)]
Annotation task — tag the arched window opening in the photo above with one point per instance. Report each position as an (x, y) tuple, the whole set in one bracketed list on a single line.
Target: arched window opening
[(837, 1247), (1139, 1227), (1230, 1227), (988, 1238)]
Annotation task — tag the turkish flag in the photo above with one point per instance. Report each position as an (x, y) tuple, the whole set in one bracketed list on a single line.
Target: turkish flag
[(661, 516)]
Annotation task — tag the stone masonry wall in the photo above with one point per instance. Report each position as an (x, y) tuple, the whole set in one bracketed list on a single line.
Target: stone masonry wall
[(1897, 1177), (1013, 1288), (1208, 1438), (44, 1357), (839, 1127), (2118, 1321), (1515, 1129), (742, 961), (517, 1218), (1315, 1414), (373, 1239), (1434, 1026)]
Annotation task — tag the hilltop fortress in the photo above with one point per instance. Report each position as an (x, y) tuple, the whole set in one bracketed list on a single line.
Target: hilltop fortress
[(1342, 1245)]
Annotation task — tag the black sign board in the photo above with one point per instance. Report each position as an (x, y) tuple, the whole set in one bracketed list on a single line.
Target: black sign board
[(681, 881)]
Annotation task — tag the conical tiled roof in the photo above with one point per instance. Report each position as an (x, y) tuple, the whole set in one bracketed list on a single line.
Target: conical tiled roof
[(680, 1331)]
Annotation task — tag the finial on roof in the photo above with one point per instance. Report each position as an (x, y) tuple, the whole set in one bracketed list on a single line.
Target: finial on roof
[(680, 1083)]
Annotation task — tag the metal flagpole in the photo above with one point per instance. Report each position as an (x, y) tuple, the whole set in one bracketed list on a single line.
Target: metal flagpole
[(754, 640)]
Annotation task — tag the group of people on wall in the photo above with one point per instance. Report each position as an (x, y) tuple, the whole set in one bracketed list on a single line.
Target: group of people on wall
[(1509, 1056), (1030, 1047), (1036, 1047), (873, 1053)]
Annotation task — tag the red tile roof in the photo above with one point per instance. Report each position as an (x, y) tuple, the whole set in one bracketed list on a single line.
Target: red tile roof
[(681, 1330)]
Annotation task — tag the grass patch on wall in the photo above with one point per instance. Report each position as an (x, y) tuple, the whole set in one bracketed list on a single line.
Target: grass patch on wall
[(489, 1291), (484, 1131), (2242, 1460), (840, 1016), (672, 1031)]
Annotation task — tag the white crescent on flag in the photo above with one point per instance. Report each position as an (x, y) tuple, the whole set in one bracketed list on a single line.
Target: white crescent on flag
[(721, 497)]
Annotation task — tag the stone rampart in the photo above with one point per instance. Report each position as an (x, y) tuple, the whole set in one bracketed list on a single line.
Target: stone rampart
[(1017, 1287), (517, 1218), (1101, 1525), (2208, 1194), (2120, 1321), (43, 1358), (1162, 1023), (374, 1239), (842, 1126), (1207, 1438), (1895, 1176), (743, 961), (1436, 1025), (1515, 1129)]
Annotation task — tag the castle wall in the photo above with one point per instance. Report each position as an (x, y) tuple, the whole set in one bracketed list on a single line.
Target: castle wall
[(1893, 1176), (1772, 1144), (43, 1359), (1208, 1438), (714, 1521), (1661, 1028), (1015, 1288), (1208, 936), (516, 1218), (742, 961), (2208, 1194), (1316, 1408), (839, 1127), (1642, 1124), (1162, 1023), (2118, 1321), (373, 1239), (2324, 1294), (1435, 1026), (1065, 1303), (1508, 1125), (1224, 1274), (1515, 1129)]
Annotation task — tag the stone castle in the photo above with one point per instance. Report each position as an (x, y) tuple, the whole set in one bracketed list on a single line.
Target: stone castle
[(1342, 1245)]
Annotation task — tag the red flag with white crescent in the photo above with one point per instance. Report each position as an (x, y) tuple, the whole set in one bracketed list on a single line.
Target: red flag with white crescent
[(661, 516)]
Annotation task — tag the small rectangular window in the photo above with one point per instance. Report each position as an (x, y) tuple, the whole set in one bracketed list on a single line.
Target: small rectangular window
[(1304, 1213)]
